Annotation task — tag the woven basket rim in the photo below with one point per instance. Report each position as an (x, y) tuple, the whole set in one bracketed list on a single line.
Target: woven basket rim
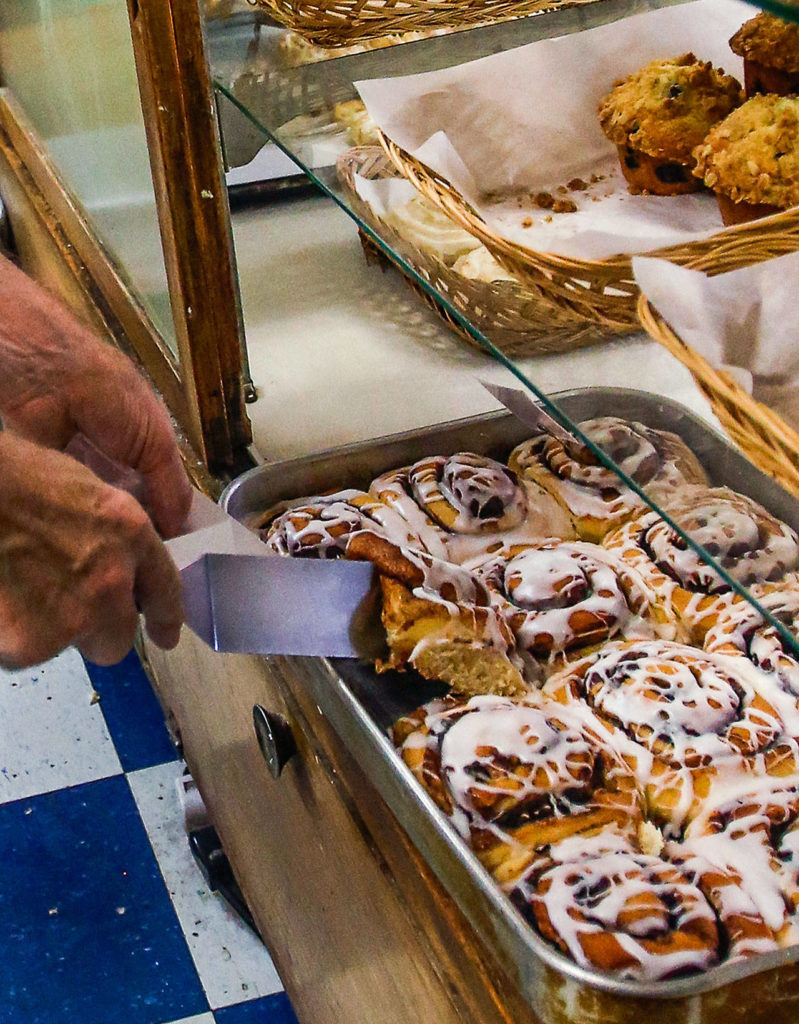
[(333, 23), (513, 316), (430, 183)]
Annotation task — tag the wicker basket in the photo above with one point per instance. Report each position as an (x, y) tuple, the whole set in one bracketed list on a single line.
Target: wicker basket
[(519, 322), (765, 439), (334, 23), (600, 291)]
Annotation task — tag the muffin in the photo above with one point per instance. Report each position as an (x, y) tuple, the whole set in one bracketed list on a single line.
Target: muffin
[(769, 47), (657, 116), (751, 158)]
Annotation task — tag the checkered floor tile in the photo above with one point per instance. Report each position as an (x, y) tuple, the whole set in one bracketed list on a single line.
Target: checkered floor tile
[(106, 917)]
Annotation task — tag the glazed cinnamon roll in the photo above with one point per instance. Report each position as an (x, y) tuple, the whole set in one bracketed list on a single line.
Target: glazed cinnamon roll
[(594, 497), (739, 629), (751, 545), (472, 501), (620, 911), (680, 719), (439, 620), (320, 526), (515, 775), (741, 850), (561, 599)]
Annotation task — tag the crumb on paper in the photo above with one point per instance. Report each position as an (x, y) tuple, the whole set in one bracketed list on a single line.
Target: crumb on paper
[(544, 200), (527, 222), (564, 206), (578, 185)]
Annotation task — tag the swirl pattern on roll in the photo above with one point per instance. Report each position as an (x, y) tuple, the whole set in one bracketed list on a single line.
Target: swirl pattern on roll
[(621, 911), (740, 629), (470, 499), (595, 496), (515, 774), (753, 547), (682, 706), (320, 527), (560, 597)]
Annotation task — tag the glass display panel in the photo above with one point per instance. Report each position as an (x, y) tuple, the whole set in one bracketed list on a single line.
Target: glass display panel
[(264, 100), (70, 65)]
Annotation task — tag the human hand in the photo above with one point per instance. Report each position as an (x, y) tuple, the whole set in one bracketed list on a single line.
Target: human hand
[(57, 379), (78, 560)]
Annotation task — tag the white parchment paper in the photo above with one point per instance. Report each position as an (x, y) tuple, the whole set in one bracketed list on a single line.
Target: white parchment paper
[(746, 319), (526, 121)]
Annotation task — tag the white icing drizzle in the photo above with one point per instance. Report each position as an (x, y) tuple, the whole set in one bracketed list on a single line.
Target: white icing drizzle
[(640, 902), (749, 543), (590, 489), (321, 526), (560, 595)]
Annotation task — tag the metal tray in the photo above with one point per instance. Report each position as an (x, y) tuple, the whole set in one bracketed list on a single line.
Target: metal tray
[(362, 706)]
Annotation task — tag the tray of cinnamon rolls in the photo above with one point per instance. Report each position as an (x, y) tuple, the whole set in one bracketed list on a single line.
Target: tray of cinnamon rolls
[(588, 730)]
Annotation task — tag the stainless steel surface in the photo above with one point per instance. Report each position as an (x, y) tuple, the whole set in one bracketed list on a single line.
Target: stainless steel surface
[(362, 706), (289, 606)]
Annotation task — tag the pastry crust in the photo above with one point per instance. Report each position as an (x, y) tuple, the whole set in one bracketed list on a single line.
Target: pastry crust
[(752, 156), (657, 116), (770, 41)]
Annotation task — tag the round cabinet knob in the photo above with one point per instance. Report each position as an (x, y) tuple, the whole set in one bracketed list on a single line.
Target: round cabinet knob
[(274, 738)]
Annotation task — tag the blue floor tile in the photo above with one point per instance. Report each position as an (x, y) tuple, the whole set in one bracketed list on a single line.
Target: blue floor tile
[(132, 713), (274, 1009), (89, 932)]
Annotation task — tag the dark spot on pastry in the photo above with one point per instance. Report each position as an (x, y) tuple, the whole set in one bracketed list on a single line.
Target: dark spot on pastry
[(671, 174), (674, 92), (630, 160)]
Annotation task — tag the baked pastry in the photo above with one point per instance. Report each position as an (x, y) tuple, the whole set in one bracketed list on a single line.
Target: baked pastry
[(751, 159), (354, 118), (739, 629), (474, 502), (657, 116), (682, 720), (620, 911), (753, 547), (321, 526), (480, 265), (562, 599), (420, 222), (439, 619), (769, 47), (515, 776), (594, 497)]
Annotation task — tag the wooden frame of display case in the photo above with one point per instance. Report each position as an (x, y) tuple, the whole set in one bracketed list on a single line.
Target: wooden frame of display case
[(203, 387)]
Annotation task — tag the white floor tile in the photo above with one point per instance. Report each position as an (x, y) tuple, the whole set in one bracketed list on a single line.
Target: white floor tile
[(51, 734), (203, 1018), (232, 964)]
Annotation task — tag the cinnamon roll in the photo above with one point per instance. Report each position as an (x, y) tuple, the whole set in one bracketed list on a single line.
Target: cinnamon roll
[(321, 526), (514, 776), (439, 619), (752, 546), (472, 501), (561, 599), (739, 629), (594, 497), (680, 718), (741, 849), (616, 910)]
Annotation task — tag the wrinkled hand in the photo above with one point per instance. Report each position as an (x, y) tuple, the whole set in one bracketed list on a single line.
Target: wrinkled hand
[(76, 559), (58, 379)]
